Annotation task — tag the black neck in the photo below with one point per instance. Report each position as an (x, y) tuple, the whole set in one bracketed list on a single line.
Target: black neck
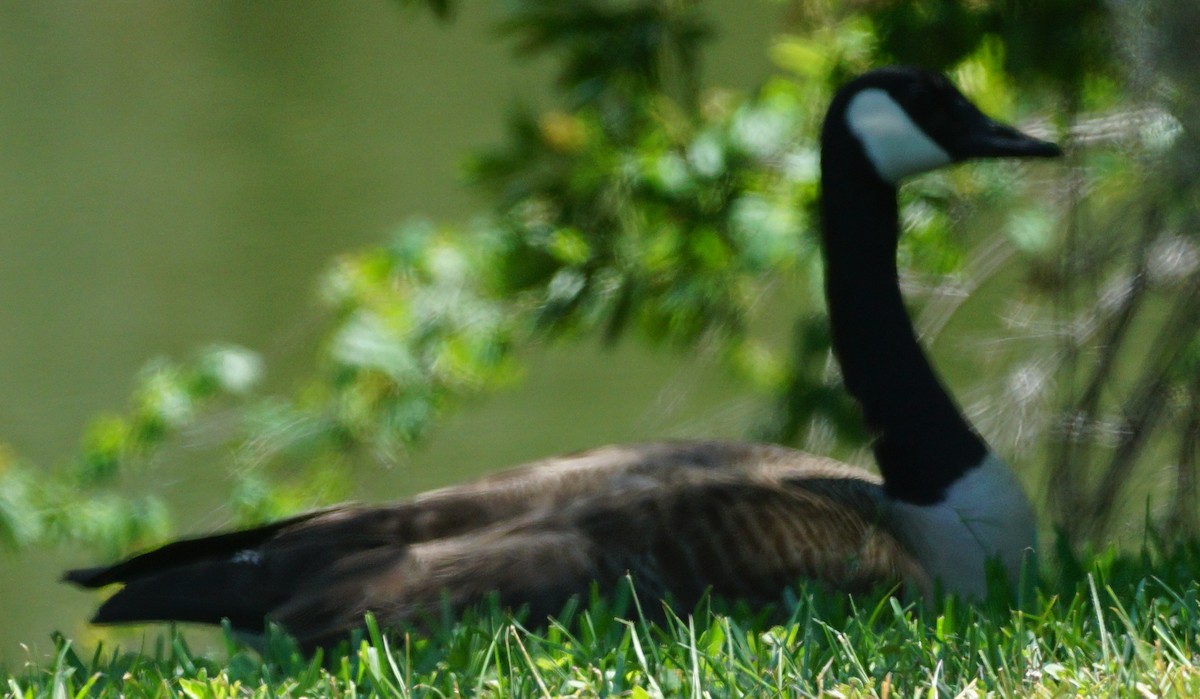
[(922, 441)]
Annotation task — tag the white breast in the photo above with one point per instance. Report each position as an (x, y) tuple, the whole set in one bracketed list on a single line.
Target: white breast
[(984, 517)]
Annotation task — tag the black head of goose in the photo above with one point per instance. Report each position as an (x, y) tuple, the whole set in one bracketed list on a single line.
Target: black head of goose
[(743, 520)]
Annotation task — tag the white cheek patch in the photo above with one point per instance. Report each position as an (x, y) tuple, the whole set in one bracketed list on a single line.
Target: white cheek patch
[(985, 516), (895, 145)]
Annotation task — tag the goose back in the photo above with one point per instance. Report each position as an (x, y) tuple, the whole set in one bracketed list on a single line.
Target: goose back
[(746, 521)]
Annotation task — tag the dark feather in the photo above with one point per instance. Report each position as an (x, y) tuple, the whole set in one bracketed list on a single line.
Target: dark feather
[(744, 520)]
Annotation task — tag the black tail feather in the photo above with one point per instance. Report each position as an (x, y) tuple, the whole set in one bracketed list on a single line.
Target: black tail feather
[(183, 553), (203, 580), (204, 592)]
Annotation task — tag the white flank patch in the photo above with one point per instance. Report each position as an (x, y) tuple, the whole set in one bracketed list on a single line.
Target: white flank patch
[(894, 144), (984, 517)]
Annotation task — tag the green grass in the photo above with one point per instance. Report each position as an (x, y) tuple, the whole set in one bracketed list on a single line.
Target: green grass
[(1107, 626)]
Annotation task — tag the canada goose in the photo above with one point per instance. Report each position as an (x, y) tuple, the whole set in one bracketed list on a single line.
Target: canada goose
[(744, 520)]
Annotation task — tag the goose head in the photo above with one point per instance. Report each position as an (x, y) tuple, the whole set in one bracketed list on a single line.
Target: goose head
[(906, 121)]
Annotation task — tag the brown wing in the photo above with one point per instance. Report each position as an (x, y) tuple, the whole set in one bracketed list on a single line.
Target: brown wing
[(747, 520), (559, 481), (750, 534)]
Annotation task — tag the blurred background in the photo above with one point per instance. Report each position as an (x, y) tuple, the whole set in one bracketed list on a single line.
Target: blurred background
[(178, 174), (259, 257)]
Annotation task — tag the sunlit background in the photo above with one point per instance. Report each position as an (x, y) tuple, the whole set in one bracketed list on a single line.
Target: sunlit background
[(178, 174)]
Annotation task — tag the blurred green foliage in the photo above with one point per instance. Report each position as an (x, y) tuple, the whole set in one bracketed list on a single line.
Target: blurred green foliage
[(648, 205)]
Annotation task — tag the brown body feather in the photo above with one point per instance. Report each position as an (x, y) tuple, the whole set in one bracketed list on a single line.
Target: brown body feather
[(747, 521)]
